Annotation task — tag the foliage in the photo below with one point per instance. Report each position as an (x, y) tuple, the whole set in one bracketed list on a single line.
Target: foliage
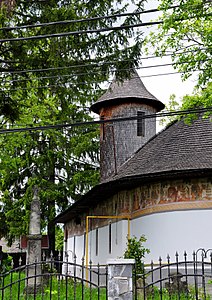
[(6, 264), (59, 239), (172, 106), (78, 63), (135, 249), (201, 98), (63, 162), (186, 34), (60, 289), (157, 294)]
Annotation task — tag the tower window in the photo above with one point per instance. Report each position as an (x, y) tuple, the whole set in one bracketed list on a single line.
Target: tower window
[(140, 123), (84, 246), (74, 245)]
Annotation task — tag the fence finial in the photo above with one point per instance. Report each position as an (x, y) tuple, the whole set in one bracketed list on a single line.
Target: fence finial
[(20, 261)]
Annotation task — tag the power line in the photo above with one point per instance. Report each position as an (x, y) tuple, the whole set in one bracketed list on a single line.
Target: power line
[(85, 83), (89, 63), (66, 22), (92, 63), (64, 34), (77, 124), (93, 72)]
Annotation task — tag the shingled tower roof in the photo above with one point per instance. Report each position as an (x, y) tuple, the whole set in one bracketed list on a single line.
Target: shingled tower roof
[(179, 151), (128, 90), (179, 148)]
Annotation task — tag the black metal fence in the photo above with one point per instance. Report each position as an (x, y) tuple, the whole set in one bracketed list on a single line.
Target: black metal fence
[(54, 279), (186, 278)]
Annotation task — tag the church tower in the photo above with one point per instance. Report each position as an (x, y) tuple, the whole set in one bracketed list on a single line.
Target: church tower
[(120, 140)]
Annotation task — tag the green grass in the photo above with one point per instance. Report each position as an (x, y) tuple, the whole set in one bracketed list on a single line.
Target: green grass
[(58, 288), (155, 295)]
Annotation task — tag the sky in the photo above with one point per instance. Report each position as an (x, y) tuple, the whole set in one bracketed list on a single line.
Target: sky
[(165, 85), (162, 86)]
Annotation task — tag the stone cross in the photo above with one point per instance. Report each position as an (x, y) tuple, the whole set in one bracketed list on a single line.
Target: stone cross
[(33, 269)]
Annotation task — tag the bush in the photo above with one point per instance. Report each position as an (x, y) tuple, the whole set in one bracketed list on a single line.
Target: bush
[(6, 264), (136, 250)]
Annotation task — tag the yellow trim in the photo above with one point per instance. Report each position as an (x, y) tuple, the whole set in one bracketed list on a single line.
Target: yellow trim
[(177, 206), (87, 230), (172, 207)]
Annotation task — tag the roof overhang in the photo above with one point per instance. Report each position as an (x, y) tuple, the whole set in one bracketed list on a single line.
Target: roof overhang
[(106, 190), (118, 101)]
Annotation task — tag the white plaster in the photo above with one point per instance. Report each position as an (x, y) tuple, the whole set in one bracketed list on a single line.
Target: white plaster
[(119, 243), (166, 233), (179, 231)]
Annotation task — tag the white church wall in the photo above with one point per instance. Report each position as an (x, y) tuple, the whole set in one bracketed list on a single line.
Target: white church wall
[(119, 231), (175, 215), (169, 232), (118, 242), (166, 233)]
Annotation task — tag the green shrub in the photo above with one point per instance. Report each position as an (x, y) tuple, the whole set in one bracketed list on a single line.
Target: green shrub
[(136, 250), (6, 264)]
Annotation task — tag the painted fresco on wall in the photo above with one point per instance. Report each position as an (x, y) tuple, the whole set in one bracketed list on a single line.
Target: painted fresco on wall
[(150, 196), (173, 192), (158, 194)]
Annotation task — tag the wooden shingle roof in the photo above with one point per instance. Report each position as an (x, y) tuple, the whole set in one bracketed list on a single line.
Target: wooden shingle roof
[(177, 148), (125, 91), (178, 151)]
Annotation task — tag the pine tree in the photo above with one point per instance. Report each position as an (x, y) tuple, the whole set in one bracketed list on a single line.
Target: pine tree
[(62, 162)]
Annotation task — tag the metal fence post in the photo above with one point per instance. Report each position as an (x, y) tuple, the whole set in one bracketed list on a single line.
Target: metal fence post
[(120, 279)]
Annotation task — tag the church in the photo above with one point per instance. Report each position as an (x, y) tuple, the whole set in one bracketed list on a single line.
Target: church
[(156, 185)]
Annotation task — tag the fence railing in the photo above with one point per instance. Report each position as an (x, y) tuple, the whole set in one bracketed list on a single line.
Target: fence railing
[(54, 279), (186, 278)]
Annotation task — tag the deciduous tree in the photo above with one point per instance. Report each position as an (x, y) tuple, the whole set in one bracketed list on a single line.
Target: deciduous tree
[(185, 32)]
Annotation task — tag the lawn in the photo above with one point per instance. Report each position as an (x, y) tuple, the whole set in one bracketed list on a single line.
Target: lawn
[(12, 287), (165, 295)]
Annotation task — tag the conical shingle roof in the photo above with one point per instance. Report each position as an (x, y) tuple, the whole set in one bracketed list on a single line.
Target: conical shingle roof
[(125, 91)]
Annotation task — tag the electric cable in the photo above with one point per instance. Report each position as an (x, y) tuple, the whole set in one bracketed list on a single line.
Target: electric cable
[(113, 120), (79, 32), (59, 76), (68, 84), (88, 31), (66, 22), (90, 63)]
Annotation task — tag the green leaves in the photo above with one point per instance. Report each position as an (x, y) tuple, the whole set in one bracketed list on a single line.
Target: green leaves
[(53, 81), (186, 32), (201, 98), (135, 249)]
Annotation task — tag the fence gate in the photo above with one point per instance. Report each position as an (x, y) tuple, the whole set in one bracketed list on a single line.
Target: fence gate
[(189, 278), (54, 280)]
